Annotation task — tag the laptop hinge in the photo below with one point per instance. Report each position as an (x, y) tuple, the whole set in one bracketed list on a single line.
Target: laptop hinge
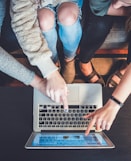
[(63, 131)]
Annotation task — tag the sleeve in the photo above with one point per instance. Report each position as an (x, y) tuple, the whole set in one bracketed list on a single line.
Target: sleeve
[(99, 7), (10, 66), (26, 27)]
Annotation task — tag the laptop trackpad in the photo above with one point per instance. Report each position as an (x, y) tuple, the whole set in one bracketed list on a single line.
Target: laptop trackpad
[(73, 94)]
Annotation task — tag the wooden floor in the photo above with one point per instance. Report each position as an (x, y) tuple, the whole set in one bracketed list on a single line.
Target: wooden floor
[(103, 63), (104, 66)]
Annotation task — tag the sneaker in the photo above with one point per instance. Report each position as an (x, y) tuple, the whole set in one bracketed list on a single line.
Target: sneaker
[(68, 71)]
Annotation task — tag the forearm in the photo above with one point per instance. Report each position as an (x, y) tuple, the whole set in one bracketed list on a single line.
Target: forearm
[(120, 94), (26, 27), (10, 66), (122, 11), (39, 83), (123, 90)]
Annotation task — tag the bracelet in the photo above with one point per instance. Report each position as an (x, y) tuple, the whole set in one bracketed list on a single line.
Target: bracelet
[(116, 101)]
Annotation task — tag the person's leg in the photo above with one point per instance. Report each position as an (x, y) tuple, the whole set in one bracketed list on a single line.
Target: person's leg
[(69, 28), (94, 34), (70, 33), (47, 23)]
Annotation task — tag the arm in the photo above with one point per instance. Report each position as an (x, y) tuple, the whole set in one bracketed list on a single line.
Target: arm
[(26, 27), (104, 117), (122, 11), (10, 66), (102, 7)]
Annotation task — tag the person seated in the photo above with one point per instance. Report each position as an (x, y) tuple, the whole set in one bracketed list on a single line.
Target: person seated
[(10, 66), (99, 22), (103, 118), (62, 19)]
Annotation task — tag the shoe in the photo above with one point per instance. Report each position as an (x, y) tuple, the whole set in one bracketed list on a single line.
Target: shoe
[(110, 81), (68, 71), (88, 78)]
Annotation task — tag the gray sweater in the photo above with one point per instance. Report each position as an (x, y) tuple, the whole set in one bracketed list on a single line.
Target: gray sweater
[(9, 65)]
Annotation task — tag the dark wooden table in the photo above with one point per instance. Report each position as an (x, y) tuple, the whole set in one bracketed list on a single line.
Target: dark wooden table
[(16, 127)]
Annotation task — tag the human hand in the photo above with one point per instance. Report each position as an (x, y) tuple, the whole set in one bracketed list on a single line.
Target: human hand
[(56, 89), (103, 117)]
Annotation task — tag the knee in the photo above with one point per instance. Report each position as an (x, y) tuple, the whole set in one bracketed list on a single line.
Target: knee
[(68, 13), (46, 19)]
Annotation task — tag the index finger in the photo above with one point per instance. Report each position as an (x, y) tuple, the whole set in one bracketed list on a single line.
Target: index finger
[(91, 124), (65, 103)]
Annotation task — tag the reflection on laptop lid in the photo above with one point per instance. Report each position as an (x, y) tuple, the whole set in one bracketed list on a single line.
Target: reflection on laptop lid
[(55, 129)]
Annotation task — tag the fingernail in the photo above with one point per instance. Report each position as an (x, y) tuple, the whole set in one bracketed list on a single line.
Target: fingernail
[(66, 110)]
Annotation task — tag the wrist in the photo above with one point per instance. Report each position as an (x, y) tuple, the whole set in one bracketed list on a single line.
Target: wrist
[(53, 74), (112, 106), (35, 82), (48, 68), (116, 101)]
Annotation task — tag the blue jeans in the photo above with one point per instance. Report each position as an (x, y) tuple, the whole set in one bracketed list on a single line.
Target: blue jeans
[(2, 11), (69, 35)]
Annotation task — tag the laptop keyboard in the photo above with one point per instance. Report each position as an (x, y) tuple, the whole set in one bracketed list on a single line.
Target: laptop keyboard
[(54, 117)]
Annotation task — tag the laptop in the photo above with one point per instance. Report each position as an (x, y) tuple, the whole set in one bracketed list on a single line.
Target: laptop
[(55, 129)]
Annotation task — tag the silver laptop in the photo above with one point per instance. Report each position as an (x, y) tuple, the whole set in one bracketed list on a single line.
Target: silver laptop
[(55, 129)]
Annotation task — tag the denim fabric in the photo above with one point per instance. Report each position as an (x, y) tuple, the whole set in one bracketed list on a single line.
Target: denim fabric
[(78, 2), (2, 11), (55, 3), (69, 35)]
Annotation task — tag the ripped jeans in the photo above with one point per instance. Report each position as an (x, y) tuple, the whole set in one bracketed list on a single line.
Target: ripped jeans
[(69, 35)]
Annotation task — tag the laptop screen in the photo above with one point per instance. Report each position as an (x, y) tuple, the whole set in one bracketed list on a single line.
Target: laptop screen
[(68, 139), (64, 140)]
